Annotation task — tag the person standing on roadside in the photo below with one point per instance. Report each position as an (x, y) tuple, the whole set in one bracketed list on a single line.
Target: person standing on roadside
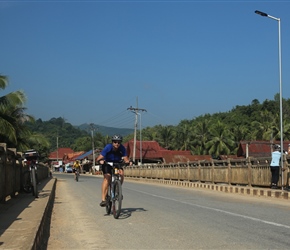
[(275, 166)]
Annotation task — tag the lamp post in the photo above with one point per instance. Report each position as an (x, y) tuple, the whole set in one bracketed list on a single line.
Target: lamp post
[(280, 78)]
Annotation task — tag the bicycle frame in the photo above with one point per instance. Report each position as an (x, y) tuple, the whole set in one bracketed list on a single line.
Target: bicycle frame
[(114, 196), (30, 180), (33, 169), (77, 174), (32, 156)]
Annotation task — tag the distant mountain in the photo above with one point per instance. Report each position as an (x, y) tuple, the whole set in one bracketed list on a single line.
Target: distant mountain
[(106, 130)]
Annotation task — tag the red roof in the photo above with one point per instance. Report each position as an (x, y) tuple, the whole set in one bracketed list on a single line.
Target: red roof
[(259, 148), (61, 153), (150, 149), (175, 156)]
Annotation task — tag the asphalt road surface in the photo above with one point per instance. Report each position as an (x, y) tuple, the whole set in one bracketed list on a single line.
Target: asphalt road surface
[(165, 217)]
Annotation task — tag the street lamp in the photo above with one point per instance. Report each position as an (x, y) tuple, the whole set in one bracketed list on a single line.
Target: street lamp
[(280, 77)]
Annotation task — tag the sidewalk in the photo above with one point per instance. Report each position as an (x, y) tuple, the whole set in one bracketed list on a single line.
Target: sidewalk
[(23, 219)]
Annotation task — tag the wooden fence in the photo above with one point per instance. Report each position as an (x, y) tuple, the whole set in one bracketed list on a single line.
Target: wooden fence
[(11, 172), (247, 172)]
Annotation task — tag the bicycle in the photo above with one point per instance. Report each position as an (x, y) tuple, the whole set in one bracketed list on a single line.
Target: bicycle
[(77, 174), (114, 196), (30, 176)]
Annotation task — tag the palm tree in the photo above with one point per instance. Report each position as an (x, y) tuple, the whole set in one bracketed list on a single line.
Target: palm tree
[(184, 136), (12, 118), (201, 135), (166, 135), (221, 140), (263, 128)]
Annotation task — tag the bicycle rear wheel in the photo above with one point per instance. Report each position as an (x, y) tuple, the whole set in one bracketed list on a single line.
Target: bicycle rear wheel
[(117, 199), (34, 183), (109, 202), (27, 188)]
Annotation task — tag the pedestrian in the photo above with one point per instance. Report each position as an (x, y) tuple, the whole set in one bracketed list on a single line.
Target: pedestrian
[(275, 166)]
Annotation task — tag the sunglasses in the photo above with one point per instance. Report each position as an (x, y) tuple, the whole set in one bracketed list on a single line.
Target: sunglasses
[(117, 142)]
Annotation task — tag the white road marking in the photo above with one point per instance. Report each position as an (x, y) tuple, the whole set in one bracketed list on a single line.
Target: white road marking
[(219, 210)]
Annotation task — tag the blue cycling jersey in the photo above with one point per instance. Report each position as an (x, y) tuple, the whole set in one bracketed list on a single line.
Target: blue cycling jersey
[(113, 156)]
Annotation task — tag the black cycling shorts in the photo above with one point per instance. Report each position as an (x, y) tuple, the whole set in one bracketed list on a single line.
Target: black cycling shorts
[(107, 169)]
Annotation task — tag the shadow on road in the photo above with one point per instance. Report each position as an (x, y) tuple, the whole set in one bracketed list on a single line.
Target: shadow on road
[(127, 212)]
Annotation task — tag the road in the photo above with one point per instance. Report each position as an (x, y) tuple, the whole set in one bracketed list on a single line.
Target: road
[(165, 217)]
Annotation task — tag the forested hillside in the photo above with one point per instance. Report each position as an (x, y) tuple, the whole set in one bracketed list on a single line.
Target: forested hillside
[(62, 134), (214, 134), (220, 133)]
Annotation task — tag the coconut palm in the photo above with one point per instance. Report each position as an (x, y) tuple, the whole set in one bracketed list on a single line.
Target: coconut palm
[(184, 136), (221, 140), (201, 136), (263, 128), (13, 118), (166, 136)]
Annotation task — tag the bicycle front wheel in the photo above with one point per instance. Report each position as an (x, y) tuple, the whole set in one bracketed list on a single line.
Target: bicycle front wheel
[(27, 187), (109, 202), (118, 199), (34, 183)]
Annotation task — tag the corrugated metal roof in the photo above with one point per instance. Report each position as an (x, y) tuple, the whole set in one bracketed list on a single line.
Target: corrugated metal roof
[(150, 149), (259, 148), (82, 156), (60, 153)]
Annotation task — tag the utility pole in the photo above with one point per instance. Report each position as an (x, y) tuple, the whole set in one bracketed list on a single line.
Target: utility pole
[(135, 110), (93, 146), (57, 147)]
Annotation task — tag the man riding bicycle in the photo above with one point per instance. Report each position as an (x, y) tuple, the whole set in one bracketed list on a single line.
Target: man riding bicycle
[(112, 152), (76, 167)]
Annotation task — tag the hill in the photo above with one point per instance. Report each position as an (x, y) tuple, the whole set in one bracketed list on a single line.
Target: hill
[(103, 130)]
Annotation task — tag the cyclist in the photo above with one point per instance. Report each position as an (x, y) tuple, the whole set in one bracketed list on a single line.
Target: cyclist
[(112, 152), (77, 167)]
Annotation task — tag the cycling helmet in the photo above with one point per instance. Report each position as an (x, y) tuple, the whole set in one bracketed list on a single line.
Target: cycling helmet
[(117, 138)]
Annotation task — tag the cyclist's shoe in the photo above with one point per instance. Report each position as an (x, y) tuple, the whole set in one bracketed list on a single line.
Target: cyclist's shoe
[(103, 203)]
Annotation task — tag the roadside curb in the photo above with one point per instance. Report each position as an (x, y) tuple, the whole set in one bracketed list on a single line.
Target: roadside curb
[(25, 220), (242, 190), (42, 234)]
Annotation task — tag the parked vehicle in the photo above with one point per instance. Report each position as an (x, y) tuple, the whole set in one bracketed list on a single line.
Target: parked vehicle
[(69, 169)]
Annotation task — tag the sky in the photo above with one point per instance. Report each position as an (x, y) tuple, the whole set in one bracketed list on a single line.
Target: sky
[(89, 61)]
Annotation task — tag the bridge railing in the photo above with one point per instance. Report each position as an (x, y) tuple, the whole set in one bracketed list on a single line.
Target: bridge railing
[(249, 172)]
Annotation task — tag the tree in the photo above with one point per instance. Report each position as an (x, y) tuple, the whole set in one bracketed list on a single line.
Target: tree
[(221, 141), (165, 136), (184, 136), (201, 136), (12, 118)]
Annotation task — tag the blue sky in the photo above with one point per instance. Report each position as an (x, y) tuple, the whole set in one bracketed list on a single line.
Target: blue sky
[(89, 61)]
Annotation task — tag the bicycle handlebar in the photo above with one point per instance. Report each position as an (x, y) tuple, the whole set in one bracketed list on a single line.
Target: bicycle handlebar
[(116, 164)]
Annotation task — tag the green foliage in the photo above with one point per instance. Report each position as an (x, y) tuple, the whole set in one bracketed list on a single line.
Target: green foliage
[(214, 134), (220, 133), (61, 134)]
